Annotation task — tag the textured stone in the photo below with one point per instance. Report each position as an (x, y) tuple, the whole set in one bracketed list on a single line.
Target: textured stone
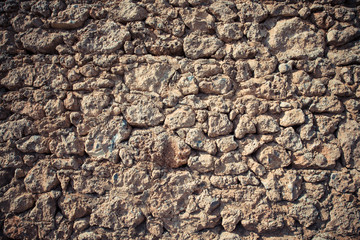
[(41, 41), (273, 156), (292, 118), (103, 140), (41, 178), (295, 39), (197, 20), (104, 38), (197, 140), (196, 46), (348, 135), (266, 124), (244, 126), (71, 18), (180, 118), (230, 164), (219, 125), (143, 115), (128, 11)]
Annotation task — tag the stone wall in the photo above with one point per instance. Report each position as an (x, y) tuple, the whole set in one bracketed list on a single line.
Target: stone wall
[(179, 119)]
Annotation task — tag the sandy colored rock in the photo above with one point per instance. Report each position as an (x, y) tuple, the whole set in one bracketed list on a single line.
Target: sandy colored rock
[(71, 18), (199, 47), (273, 156), (292, 118)]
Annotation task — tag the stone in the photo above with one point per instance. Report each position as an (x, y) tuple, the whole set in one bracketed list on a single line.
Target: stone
[(16, 227), (180, 118), (17, 77), (104, 140), (34, 143), (65, 142), (338, 88), (273, 156), (244, 125), (226, 144), (128, 12), (188, 85), (197, 140), (231, 216), (219, 125), (344, 182), (41, 178), (305, 213), (14, 130), (105, 38), (251, 11), (202, 163), (267, 124), (292, 118), (134, 180), (220, 84), (150, 77), (340, 37), (231, 163), (22, 203), (224, 11), (327, 124), (345, 55), (143, 115), (116, 214), (229, 32), (94, 103), (255, 167), (284, 10), (196, 47), (45, 208), (75, 205), (243, 51), (289, 139), (197, 19), (40, 41), (295, 39), (326, 104), (71, 18), (349, 141)]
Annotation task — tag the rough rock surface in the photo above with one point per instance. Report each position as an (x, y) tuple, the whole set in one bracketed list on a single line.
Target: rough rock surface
[(179, 119)]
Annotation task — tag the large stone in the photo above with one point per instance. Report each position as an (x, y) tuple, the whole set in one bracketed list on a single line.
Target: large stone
[(340, 37), (220, 84), (94, 103), (65, 142), (103, 38), (143, 114), (103, 140), (202, 163), (267, 124), (219, 124), (73, 17), (180, 118), (75, 205), (128, 12), (41, 178), (327, 104), (197, 20), (152, 77), (14, 130), (289, 139), (295, 39), (33, 143), (231, 163), (197, 140), (197, 46), (224, 11), (244, 126), (41, 41), (252, 11), (292, 117), (349, 139), (273, 156)]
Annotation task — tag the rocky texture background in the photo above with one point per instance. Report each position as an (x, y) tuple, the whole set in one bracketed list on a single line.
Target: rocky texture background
[(179, 119)]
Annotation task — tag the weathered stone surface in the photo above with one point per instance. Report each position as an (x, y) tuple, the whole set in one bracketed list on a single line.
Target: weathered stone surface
[(340, 37), (220, 84), (202, 163), (180, 118), (104, 38), (219, 125), (244, 126), (231, 163), (267, 124), (273, 156), (348, 136), (197, 20), (328, 104), (94, 103), (197, 140), (34, 143), (151, 77), (295, 39), (252, 11), (143, 115), (224, 11), (226, 144), (71, 18), (40, 41), (65, 142), (292, 118), (74, 206), (41, 178), (197, 46), (128, 11), (289, 139), (103, 140), (14, 130)]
